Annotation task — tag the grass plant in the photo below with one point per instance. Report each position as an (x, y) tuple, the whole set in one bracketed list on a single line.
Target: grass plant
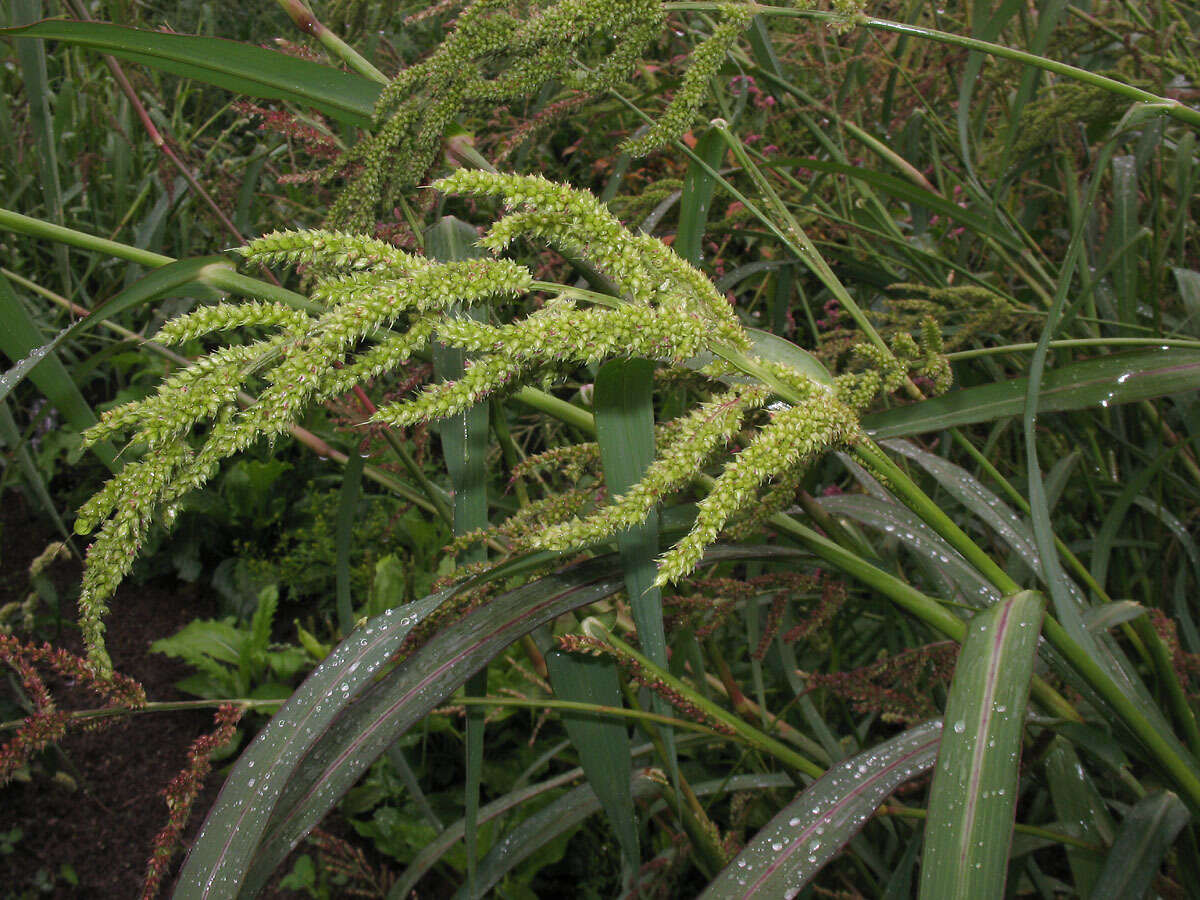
[(810, 389)]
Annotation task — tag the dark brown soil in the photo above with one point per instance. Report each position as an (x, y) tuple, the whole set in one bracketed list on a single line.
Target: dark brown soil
[(98, 834), (89, 835)]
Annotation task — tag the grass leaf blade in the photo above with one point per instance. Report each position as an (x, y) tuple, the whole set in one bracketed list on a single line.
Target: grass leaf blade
[(464, 444), (1142, 841), (811, 830), (973, 797), (1105, 380), (242, 68), (603, 744), (21, 340)]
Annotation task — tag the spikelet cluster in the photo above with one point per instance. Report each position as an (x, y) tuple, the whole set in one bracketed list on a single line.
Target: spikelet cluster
[(705, 432), (762, 477), (791, 439), (519, 531), (964, 314), (883, 371), (899, 688), (46, 723), (499, 52), (706, 60), (376, 306), (379, 306), (181, 796), (506, 51)]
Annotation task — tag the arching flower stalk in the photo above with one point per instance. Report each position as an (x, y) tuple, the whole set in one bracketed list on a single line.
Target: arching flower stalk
[(379, 306)]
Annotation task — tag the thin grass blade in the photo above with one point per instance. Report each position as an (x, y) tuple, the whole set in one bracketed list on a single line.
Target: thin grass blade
[(347, 508), (32, 55), (698, 187), (429, 855), (958, 578), (218, 861), (902, 189), (624, 409), (985, 505), (382, 714), (1048, 16), (563, 815), (172, 278), (10, 435)]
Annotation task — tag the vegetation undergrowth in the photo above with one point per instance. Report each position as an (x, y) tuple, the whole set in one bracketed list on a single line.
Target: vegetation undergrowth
[(635, 444)]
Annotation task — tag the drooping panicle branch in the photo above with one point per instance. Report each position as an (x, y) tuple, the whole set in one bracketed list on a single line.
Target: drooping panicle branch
[(378, 306)]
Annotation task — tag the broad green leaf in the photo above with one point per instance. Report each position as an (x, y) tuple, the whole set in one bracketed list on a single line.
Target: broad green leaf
[(23, 342), (464, 445), (347, 509), (624, 410), (989, 508), (1079, 805), (1122, 237), (698, 187), (385, 710), (563, 815), (968, 491), (259, 639), (219, 860), (959, 579), (1098, 382), (355, 704), (1145, 836), (772, 348), (973, 798), (1109, 615), (811, 830), (733, 278), (242, 68), (171, 278), (207, 637), (1188, 282), (602, 744)]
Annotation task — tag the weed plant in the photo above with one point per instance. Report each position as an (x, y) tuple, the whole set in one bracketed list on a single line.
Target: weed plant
[(742, 449)]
